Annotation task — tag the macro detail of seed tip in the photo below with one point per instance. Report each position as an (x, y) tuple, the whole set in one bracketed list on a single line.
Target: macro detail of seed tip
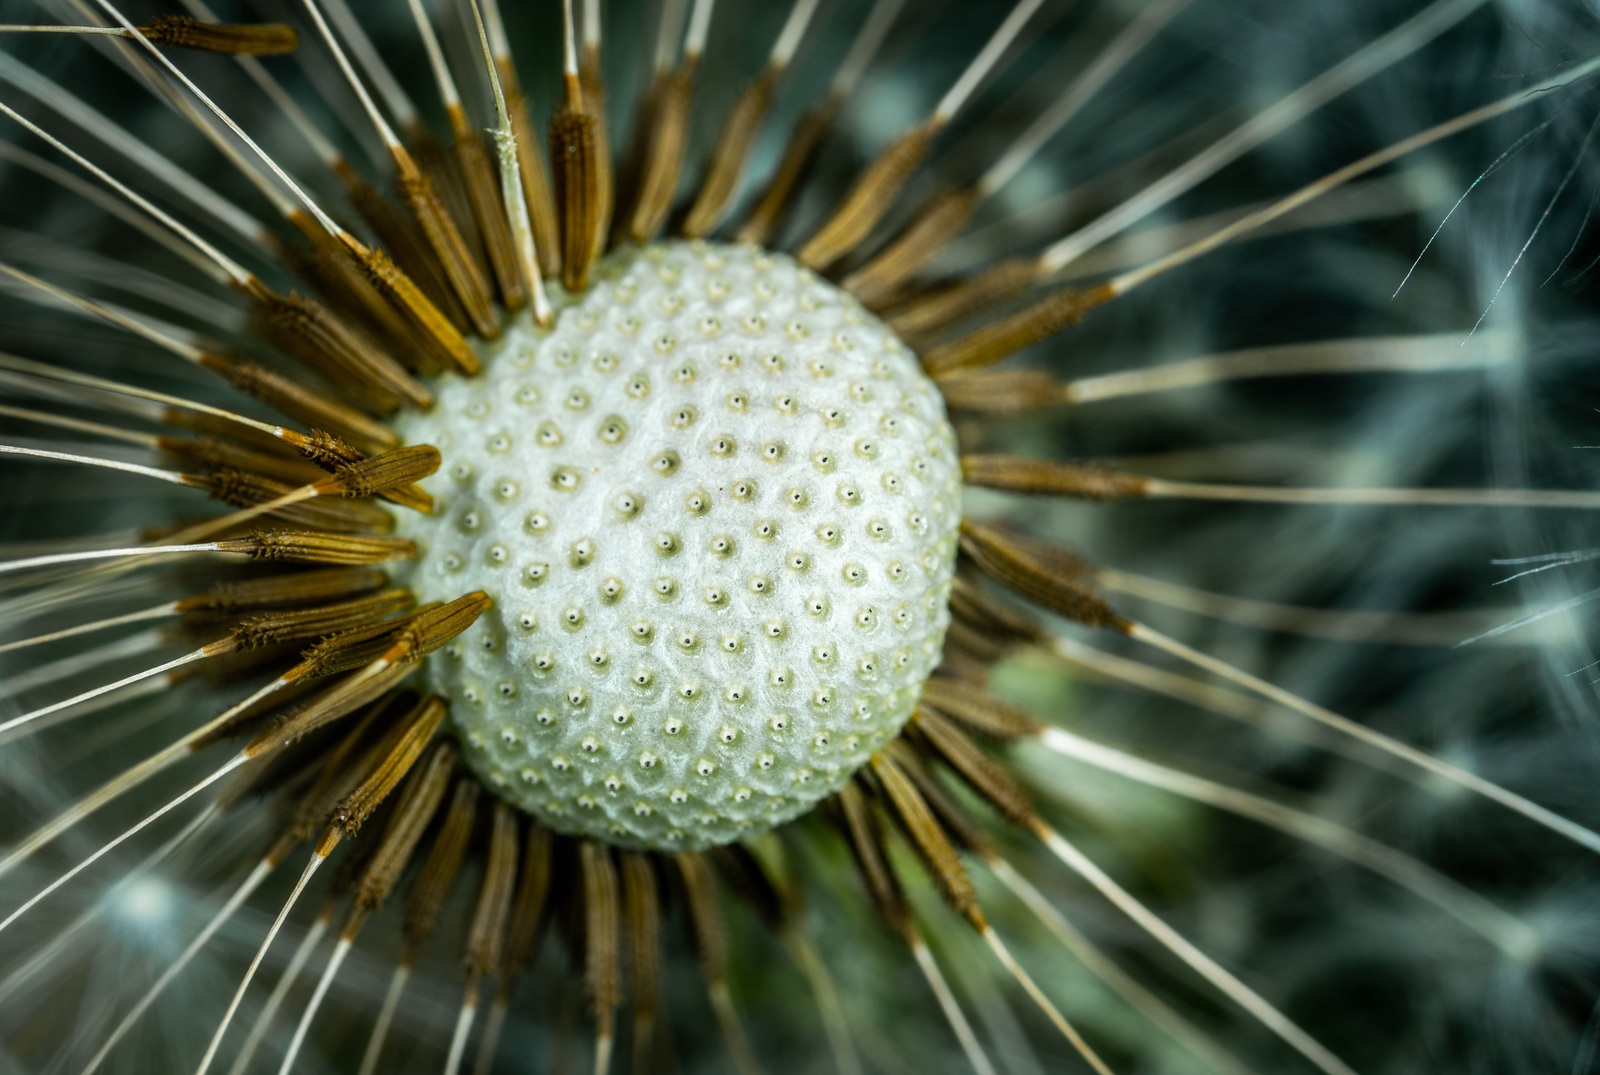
[(716, 506)]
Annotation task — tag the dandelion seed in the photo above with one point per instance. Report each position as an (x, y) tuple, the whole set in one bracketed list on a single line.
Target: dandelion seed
[(637, 589)]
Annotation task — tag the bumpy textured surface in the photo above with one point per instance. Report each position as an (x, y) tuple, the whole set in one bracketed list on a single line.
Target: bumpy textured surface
[(716, 507)]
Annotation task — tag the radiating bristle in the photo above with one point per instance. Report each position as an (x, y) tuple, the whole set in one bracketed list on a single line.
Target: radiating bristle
[(229, 908), (487, 935), (535, 177), (705, 912), (879, 186), (944, 216), (805, 140), (1578, 834), (395, 247), (297, 401), (1203, 964), (290, 977)]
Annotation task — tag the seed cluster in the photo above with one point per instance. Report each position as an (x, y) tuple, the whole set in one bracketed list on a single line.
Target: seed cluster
[(716, 507)]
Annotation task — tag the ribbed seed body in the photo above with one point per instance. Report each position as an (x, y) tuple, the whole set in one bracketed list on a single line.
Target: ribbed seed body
[(716, 506)]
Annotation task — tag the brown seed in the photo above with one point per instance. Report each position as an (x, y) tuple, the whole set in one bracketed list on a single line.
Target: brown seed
[(1002, 392), (486, 936), (798, 156), (235, 39), (728, 159), (981, 772), (977, 709), (444, 237), (877, 282), (928, 838), (418, 804), (872, 196), (602, 933), (1003, 338), (573, 159), (314, 546), (668, 139), (483, 191), (1020, 474), (443, 864), (1035, 574)]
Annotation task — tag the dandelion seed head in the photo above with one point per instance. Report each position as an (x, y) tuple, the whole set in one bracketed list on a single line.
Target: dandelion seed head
[(730, 605), (682, 651)]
